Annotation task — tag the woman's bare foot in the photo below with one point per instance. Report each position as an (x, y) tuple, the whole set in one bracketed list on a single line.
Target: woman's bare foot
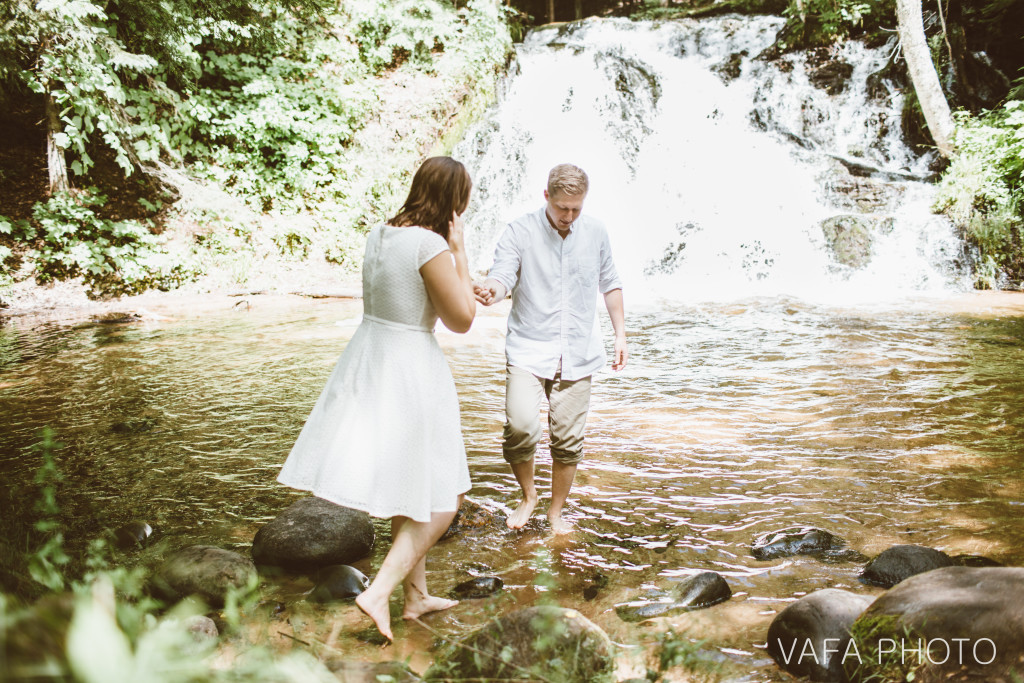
[(378, 611), (416, 607), (559, 525), (519, 518)]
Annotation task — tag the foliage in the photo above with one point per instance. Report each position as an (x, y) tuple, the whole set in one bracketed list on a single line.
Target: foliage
[(389, 34), (70, 239), (817, 23), (883, 665), (273, 127), (263, 102), (108, 629), (982, 191), (46, 562), (676, 651)]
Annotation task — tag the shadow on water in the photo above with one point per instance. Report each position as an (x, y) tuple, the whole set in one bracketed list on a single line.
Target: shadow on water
[(882, 426)]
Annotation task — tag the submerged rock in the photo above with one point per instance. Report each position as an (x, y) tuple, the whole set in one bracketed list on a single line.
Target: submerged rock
[(338, 582), (801, 541), (976, 561), (536, 643), (132, 535), (206, 571), (811, 637), (695, 592), (479, 587), (900, 562), (473, 516), (312, 533), (950, 624), (597, 582)]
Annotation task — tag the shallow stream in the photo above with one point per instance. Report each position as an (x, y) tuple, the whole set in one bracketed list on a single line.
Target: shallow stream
[(883, 425)]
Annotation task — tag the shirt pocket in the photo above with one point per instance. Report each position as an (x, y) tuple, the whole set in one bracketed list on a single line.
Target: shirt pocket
[(585, 271)]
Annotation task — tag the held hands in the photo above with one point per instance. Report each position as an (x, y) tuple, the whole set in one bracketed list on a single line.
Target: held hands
[(485, 294)]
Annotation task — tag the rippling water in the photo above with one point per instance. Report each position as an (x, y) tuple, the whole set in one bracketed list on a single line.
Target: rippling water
[(886, 425)]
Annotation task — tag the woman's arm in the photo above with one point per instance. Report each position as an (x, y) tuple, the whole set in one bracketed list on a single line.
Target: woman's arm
[(449, 286)]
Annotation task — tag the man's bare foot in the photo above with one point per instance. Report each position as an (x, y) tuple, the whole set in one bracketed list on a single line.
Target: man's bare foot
[(378, 611), (519, 518), (559, 525), (416, 607)]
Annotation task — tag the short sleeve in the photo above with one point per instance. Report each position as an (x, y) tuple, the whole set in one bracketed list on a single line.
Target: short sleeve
[(431, 245)]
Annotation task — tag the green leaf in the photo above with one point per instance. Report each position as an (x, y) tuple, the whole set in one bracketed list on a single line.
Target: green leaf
[(98, 651)]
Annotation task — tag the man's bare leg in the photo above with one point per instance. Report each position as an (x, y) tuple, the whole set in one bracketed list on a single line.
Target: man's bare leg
[(562, 476), (524, 475)]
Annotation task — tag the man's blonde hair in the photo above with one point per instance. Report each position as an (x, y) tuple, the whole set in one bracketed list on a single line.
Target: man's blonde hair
[(568, 179)]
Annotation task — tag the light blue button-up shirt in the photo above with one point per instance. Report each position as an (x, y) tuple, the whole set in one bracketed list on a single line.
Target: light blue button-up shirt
[(554, 284)]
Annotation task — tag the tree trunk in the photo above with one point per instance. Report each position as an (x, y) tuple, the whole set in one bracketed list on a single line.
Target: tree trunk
[(55, 163), (551, 11), (922, 73)]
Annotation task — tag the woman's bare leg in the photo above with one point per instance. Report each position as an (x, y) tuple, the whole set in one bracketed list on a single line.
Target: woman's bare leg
[(410, 543), (417, 600)]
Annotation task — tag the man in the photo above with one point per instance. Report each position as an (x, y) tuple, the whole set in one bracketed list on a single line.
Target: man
[(556, 261)]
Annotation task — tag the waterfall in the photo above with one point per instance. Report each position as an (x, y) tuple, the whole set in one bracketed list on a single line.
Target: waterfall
[(720, 176)]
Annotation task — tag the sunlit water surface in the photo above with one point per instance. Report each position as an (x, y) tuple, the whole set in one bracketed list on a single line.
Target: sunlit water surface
[(890, 425)]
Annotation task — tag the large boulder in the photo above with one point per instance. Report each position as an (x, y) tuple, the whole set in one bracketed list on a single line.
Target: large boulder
[(950, 624), (206, 571), (536, 643), (811, 637), (903, 561), (312, 533)]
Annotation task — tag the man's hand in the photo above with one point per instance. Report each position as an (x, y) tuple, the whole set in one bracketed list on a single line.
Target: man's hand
[(620, 354)]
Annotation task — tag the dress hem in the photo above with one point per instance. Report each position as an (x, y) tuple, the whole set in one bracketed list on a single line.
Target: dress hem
[(363, 507)]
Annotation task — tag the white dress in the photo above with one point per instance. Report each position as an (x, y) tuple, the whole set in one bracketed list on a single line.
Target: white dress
[(384, 436)]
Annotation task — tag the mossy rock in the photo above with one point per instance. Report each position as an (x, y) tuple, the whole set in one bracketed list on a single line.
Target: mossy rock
[(537, 643)]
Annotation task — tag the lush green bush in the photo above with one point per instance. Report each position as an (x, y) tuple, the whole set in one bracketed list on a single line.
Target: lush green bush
[(259, 102), (982, 191), (69, 239)]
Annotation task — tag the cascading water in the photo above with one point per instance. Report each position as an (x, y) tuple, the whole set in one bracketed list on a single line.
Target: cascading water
[(720, 176)]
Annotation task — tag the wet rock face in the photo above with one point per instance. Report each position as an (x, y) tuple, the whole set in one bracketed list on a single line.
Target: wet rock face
[(900, 562), (695, 592), (312, 533), (801, 541), (851, 237), (811, 637), (206, 571), (536, 643), (832, 76), (949, 624)]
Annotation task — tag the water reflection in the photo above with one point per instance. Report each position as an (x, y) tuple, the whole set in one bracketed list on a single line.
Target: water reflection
[(882, 426)]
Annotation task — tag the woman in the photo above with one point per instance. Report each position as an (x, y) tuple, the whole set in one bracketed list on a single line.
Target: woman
[(384, 436)]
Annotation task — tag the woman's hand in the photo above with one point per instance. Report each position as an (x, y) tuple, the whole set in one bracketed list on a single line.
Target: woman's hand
[(456, 240)]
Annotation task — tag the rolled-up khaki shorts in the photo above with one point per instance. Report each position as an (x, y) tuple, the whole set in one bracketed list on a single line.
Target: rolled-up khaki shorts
[(568, 404)]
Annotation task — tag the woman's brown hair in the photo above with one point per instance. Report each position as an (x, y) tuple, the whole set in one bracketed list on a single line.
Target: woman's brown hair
[(441, 185)]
